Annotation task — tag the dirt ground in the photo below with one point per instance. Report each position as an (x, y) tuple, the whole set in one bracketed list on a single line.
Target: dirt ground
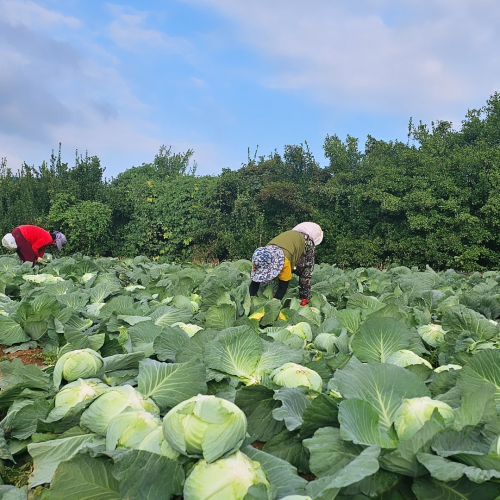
[(28, 357)]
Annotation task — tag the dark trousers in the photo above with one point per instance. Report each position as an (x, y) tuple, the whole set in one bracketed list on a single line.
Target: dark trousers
[(24, 248)]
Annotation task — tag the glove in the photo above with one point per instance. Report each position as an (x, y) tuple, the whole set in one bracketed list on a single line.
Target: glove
[(304, 302)]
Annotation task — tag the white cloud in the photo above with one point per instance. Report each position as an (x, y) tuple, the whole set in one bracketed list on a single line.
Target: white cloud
[(128, 31), (198, 82), (375, 55), (34, 16)]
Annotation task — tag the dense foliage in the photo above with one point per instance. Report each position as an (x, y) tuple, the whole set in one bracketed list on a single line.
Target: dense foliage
[(432, 200)]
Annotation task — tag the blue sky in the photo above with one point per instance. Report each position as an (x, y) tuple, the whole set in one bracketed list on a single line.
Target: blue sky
[(221, 76)]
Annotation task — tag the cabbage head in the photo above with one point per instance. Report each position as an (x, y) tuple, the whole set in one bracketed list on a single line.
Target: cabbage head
[(74, 393), (294, 375), (296, 497), (413, 413), (432, 335), (447, 368), (302, 330), (155, 442), (404, 358), (114, 401), (228, 478), (189, 328), (205, 426), (129, 429), (82, 363)]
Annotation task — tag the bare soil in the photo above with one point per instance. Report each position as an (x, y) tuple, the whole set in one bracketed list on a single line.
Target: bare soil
[(28, 357)]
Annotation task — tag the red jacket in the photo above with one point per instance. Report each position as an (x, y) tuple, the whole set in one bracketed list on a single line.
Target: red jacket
[(38, 237)]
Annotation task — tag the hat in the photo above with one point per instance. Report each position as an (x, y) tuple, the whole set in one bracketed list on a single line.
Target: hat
[(267, 263), (312, 230), (59, 239)]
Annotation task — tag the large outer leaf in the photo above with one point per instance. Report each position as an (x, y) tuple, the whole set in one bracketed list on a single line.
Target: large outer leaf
[(350, 319), (166, 315), (122, 361), (85, 478), (148, 476), (220, 317), (281, 474), (235, 352), (358, 300), (383, 386), (322, 412), (461, 319), (427, 488), (378, 338), (361, 467), (15, 377), (170, 384), (483, 367), (446, 470), (11, 332), (257, 403), (25, 421), (168, 342), (48, 455), (469, 440), (403, 460), (288, 446), (275, 354), (103, 290), (329, 452), (294, 402), (359, 423)]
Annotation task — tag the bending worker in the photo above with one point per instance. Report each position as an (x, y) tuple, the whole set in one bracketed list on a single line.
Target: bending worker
[(30, 242), (289, 252)]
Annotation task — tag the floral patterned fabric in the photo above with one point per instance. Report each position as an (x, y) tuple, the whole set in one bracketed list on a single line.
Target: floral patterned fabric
[(305, 267), (267, 263)]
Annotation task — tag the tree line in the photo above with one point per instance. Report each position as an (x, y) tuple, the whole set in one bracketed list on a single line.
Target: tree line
[(432, 200)]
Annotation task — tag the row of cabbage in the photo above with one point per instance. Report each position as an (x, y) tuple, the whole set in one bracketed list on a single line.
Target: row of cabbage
[(385, 386)]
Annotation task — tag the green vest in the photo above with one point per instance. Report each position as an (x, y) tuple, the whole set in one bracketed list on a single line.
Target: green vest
[(292, 243)]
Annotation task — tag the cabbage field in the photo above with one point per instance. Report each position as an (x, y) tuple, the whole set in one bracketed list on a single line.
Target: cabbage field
[(168, 381)]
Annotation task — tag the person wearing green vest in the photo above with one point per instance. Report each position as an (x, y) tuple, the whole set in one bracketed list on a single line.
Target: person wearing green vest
[(289, 252)]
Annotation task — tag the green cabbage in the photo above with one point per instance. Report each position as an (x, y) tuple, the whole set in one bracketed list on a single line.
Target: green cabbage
[(405, 358), (129, 429), (82, 363), (155, 442), (74, 393), (432, 335), (302, 329), (205, 426), (413, 413), (189, 328), (113, 402), (294, 375), (226, 479)]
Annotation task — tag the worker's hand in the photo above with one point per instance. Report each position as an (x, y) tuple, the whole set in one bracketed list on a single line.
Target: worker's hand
[(39, 260), (304, 302), (274, 298)]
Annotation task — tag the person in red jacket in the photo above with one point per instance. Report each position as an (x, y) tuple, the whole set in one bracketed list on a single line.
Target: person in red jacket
[(32, 241)]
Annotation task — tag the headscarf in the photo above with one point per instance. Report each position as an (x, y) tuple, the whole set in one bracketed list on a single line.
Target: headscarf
[(9, 242), (312, 230), (59, 239)]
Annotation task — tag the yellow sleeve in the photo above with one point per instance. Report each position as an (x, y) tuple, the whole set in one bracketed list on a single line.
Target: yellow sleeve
[(286, 272)]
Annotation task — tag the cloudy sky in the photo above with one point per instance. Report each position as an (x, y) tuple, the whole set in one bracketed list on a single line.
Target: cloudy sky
[(222, 76)]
